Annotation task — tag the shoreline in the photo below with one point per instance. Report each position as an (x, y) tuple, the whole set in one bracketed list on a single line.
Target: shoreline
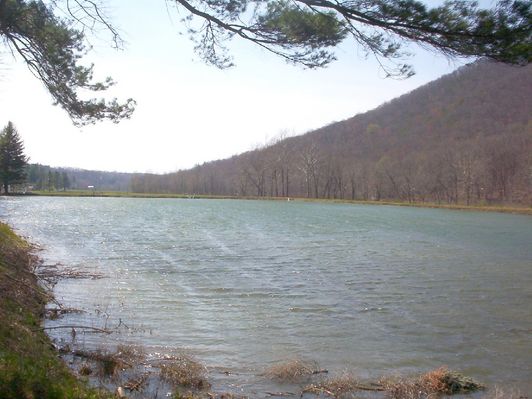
[(518, 210), (29, 363)]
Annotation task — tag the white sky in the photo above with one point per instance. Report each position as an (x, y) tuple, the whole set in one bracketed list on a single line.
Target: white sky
[(187, 112)]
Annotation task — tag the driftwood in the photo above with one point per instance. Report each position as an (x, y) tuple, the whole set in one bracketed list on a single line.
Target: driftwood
[(55, 313), (81, 327), (135, 384), (53, 272), (321, 389)]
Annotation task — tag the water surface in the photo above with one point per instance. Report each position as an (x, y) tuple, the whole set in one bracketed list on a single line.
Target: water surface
[(244, 284)]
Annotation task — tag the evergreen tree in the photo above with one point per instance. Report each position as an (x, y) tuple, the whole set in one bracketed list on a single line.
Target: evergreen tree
[(52, 47), (58, 179), (66, 181), (51, 181), (12, 159)]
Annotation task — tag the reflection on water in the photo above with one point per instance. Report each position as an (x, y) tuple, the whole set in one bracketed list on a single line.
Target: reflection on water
[(242, 284)]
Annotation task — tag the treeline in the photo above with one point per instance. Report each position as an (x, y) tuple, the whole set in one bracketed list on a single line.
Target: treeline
[(465, 138), (43, 177)]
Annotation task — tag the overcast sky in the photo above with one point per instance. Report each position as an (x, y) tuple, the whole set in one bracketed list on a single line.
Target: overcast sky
[(187, 112)]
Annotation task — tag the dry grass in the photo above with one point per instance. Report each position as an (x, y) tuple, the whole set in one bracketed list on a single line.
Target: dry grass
[(185, 371), (295, 370), (110, 363), (85, 369), (129, 354), (336, 387), (438, 381)]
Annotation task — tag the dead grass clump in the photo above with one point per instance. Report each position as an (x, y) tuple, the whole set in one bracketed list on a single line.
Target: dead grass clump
[(449, 382), (185, 371), (85, 369), (137, 383), (404, 389), (110, 363), (130, 355), (438, 381), (435, 380), (294, 370), (335, 387)]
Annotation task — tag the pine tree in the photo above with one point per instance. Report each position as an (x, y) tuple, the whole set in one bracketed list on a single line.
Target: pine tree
[(66, 181), (12, 159)]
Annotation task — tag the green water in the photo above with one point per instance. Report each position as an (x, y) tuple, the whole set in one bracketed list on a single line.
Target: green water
[(244, 284)]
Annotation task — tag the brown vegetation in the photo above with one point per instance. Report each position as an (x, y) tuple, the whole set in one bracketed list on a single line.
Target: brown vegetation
[(110, 363), (336, 387), (295, 370), (463, 139), (439, 381), (429, 385), (184, 371)]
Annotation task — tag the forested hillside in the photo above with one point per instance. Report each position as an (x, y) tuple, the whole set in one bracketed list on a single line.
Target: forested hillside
[(464, 138), (43, 177)]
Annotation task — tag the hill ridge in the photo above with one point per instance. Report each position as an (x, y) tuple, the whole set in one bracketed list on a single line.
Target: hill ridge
[(463, 138)]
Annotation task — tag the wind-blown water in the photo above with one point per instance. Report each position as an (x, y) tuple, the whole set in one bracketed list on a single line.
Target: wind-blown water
[(243, 284)]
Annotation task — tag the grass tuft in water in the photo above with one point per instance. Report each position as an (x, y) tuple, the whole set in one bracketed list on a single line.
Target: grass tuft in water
[(185, 371), (335, 387), (295, 370), (111, 363), (438, 381)]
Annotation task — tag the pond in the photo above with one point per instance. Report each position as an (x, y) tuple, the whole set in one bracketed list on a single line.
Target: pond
[(241, 285)]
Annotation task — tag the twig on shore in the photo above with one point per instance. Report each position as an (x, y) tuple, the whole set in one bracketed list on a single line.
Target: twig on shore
[(136, 384), (55, 313), (74, 327), (52, 272)]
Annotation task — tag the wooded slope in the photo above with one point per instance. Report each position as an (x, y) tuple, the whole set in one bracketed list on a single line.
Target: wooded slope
[(464, 138)]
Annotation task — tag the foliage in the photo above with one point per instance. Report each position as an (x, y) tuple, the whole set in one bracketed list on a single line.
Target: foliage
[(50, 36), (52, 48), (12, 159), (307, 31), (44, 177)]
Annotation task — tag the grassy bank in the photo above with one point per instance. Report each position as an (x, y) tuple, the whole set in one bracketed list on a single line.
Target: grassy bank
[(29, 365), (523, 210)]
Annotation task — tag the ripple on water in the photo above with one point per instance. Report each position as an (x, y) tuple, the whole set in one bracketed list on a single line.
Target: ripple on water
[(244, 284)]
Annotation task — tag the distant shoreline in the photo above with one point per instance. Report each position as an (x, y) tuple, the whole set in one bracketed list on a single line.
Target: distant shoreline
[(521, 210)]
